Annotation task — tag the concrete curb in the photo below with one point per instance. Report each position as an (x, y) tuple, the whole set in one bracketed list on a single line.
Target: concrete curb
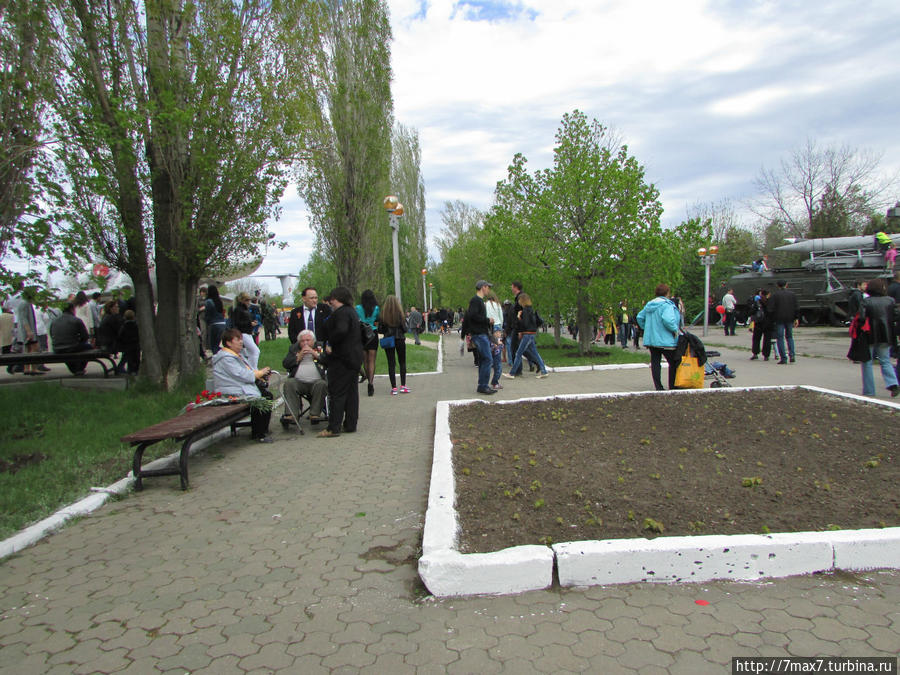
[(447, 572)]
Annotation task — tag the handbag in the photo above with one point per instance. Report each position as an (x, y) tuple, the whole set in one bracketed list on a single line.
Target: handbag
[(387, 342), (690, 373), (367, 335)]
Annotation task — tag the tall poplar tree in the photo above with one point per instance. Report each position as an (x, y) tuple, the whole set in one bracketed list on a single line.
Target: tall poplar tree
[(348, 173), (407, 184)]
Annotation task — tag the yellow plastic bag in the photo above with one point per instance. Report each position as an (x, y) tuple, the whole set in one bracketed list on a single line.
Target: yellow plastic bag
[(690, 373)]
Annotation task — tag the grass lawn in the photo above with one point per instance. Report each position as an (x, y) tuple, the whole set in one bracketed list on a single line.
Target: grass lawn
[(419, 359), (567, 353), (56, 443)]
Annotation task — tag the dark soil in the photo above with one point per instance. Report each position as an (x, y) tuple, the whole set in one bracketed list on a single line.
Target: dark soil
[(17, 462), (722, 462)]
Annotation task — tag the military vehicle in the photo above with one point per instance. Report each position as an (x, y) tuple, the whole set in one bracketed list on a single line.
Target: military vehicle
[(823, 282)]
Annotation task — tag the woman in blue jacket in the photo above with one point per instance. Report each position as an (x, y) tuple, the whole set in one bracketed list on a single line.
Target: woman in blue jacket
[(660, 321)]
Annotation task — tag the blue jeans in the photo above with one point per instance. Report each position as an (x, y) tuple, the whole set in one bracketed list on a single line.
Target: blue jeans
[(496, 362), (882, 352), (527, 348), (624, 333), (483, 344), (782, 330)]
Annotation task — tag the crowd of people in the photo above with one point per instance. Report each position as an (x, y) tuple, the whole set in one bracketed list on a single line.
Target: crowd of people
[(335, 341), (30, 324)]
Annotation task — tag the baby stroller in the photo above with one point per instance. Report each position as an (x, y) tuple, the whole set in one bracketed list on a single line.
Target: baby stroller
[(718, 372)]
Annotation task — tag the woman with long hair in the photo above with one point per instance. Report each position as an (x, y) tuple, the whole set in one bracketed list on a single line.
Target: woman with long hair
[(393, 327), (214, 313), (368, 312)]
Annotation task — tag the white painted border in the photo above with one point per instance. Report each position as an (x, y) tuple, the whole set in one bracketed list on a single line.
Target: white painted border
[(446, 572)]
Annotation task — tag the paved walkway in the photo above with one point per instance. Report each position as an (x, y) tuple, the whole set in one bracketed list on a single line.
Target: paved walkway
[(300, 557)]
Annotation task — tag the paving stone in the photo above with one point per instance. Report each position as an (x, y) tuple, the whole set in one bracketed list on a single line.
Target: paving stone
[(637, 656), (270, 657), (208, 577), (802, 643), (349, 655), (627, 628), (559, 658)]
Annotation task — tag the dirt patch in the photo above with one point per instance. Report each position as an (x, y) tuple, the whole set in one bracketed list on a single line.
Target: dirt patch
[(17, 462), (728, 462)]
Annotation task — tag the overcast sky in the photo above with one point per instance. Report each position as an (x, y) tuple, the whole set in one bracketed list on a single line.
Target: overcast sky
[(703, 93)]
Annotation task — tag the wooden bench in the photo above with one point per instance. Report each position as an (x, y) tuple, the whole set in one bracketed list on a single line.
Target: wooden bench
[(189, 428), (39, 358)]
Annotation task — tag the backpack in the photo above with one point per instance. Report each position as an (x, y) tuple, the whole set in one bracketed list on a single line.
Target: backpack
[(366, 334)]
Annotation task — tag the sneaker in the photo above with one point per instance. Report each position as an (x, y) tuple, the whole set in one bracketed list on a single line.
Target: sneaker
[(508, 376), (497, 386), (895, 391), (394, 391), (541, 376), (782, 362), (265, 439), (793, 360), (404, 390), (486, 390), (754, 357)]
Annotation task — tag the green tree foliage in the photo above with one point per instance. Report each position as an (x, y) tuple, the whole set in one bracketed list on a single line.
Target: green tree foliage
[(24, 230), (318, 272), (407, 184), (180, 122), (588, 227), (348, 172), (463, 246)]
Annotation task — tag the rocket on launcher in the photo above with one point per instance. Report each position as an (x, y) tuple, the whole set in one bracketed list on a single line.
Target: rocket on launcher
[(830, 244)]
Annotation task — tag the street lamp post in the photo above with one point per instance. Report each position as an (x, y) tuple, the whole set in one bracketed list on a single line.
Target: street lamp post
[(424, 295), (707, 259), (395, 209), (430, 295)]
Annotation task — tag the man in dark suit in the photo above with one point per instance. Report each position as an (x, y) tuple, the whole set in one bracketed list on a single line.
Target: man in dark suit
[(310, 308)]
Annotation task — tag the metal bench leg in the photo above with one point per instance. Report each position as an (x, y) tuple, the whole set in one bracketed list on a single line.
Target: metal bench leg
[(136, 466), (183, 462)]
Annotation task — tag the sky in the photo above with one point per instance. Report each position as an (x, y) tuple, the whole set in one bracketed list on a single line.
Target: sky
[(704, 94)]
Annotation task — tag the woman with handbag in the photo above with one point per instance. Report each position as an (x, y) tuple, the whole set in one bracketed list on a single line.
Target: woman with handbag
[(660, 321), (393, 326), (368, 312), (877, 313)]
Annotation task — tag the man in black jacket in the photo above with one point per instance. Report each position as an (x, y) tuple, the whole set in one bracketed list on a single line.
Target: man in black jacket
[(309, 307), (783, 309), (478, 326), (344, 357)]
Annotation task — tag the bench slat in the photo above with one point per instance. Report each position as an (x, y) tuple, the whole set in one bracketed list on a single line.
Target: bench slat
[(188, 423)]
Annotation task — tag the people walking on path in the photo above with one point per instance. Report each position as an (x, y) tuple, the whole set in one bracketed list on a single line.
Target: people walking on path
[(877, 312), (729, 302), (660, 321), (392, 325), (478, 327), (527, 324), (784, 315)]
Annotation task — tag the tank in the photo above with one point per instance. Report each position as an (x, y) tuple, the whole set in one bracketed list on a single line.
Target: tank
[(824, 280)]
